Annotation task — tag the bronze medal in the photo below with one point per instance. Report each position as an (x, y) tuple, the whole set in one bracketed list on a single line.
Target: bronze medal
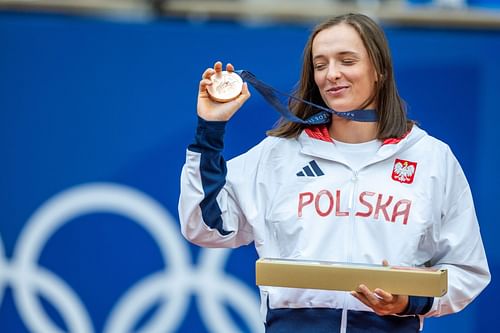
[(225, 87)]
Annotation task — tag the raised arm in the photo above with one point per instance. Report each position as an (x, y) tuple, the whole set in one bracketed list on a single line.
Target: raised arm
[(210, 216)]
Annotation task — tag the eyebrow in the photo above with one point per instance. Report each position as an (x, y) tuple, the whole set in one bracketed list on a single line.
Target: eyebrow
[(343, 53)]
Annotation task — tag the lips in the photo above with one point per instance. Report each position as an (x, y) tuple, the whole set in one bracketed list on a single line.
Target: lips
[(337, 90)]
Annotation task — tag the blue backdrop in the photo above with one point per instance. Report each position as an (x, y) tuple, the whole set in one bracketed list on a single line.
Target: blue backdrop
[(95, 116)]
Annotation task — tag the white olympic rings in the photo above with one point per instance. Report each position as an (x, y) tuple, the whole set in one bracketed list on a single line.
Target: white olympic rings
[(173, 286)]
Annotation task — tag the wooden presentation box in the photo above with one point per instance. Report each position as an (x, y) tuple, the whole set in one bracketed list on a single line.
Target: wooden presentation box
[(310, 274)]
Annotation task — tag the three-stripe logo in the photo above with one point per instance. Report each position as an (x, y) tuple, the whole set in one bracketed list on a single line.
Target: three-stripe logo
[(312, 169)]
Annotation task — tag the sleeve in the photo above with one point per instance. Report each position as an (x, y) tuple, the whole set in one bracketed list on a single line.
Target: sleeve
[(210, 216), (417, 305), (459, 247)]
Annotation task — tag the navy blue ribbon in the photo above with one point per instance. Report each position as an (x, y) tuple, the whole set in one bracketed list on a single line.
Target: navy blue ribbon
[(270, 94)]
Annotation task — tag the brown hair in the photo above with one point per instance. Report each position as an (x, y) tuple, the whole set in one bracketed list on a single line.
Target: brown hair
[(391, 110)]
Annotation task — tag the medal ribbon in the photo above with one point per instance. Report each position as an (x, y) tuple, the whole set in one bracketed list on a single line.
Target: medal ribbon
[(271, 94)]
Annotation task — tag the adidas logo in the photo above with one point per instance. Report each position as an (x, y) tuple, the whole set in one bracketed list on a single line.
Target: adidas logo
[(312, 169)]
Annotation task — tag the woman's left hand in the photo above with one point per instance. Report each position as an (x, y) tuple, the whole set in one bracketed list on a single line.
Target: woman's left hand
[(382, 302)]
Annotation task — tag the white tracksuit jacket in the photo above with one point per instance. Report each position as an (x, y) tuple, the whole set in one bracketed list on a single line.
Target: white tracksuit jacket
[(298, 198)]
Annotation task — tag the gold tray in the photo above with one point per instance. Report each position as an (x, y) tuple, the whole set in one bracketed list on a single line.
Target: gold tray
[(310, 274)]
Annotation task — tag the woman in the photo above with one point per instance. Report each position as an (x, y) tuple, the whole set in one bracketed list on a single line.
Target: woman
[(349, 191)]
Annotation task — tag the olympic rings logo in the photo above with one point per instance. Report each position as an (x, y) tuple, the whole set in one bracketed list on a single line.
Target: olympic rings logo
[(171, 287)]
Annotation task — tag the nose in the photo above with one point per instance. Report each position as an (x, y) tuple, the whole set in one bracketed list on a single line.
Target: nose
[(334, 73)]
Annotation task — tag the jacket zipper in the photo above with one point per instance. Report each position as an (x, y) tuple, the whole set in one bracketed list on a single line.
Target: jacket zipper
[(349, 249)]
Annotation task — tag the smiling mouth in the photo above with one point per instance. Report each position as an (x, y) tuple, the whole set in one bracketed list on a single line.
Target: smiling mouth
[(336, 89)]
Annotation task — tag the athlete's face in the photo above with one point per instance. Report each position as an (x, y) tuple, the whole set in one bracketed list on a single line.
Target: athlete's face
[(343, 71)]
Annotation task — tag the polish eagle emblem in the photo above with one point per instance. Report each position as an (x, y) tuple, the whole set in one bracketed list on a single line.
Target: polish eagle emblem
[(404, 171)]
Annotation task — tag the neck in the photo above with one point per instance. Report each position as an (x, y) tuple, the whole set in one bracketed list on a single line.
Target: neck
[(349, 131)]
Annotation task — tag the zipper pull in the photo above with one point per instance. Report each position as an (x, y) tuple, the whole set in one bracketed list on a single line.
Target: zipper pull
[(354, 180)]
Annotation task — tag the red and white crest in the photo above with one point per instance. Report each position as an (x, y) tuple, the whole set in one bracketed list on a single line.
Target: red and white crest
[(404, 171)]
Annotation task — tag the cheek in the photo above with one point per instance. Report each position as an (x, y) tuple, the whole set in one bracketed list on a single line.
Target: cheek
[(365, 84), (370, 85), (318, 79)]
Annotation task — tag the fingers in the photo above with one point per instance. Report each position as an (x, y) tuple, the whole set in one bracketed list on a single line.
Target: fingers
[(211, 71), (245, 93), (382, 302), (204, 84), (362, 298), (384, 295), (206, 81), (218, 66), (367, 296), (373, 300), (208, 73)]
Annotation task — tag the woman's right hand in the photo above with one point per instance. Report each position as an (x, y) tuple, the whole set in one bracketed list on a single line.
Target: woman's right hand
[(211, 110)]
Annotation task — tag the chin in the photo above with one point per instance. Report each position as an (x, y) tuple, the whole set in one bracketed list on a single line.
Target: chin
[(342, 108)]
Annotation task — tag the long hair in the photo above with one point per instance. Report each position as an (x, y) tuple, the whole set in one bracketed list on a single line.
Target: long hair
[(391, 110)]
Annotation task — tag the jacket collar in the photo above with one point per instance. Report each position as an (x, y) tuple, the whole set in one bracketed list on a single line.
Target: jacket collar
[(316, 141)]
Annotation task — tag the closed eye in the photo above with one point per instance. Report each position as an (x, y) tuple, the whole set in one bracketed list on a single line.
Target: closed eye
[(319, 66), (348, 61)]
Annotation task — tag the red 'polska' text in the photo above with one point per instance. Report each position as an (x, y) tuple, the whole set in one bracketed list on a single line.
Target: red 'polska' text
[(375, 205)]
